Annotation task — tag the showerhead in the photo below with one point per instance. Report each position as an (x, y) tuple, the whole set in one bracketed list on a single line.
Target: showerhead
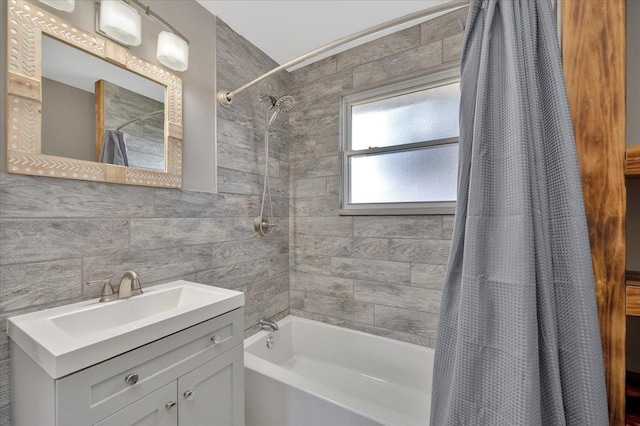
[(285, 103)]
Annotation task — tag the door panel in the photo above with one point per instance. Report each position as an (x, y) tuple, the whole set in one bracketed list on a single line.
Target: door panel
[(213, 394)]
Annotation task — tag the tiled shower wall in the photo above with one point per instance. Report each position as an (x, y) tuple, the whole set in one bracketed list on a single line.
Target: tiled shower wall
[(56, 235), (379, 274)]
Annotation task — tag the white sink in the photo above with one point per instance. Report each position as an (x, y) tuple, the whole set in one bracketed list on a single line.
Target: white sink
[(97, 317), (68, 338)]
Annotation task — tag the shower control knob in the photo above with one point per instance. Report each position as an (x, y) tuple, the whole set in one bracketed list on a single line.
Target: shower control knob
[(188, 394), (262, 225)]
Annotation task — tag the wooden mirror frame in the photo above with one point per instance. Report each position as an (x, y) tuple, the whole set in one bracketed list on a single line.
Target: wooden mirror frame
[(25, 25)]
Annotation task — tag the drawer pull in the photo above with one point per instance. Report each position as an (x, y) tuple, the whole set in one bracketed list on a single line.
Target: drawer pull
[(170, 406), (189, 394), (216, 339), (131, 379)]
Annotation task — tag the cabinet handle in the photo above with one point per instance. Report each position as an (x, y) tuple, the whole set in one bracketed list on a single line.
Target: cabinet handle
[(189, 394), (131, 379), (216, 339), (170, 406)]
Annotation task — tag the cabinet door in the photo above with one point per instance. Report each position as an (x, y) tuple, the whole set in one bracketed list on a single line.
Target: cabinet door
[(213, 394), (148, 411)]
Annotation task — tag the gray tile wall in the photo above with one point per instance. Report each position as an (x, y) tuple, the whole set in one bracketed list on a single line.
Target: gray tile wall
[(56, 234), (379, 274)]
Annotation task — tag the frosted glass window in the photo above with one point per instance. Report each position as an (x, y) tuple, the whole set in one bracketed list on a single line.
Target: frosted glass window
[(399, 147), (423, 175), (424, 115)]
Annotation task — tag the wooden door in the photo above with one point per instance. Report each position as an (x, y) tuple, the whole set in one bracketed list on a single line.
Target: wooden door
[(594, 59)]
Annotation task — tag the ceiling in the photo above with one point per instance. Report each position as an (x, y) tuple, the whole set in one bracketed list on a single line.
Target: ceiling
[(287, 29)]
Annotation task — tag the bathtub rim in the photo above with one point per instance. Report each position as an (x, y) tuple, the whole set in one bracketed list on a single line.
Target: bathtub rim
[(360, 406)]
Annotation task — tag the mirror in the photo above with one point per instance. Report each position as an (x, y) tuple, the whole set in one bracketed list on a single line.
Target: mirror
[(84, 96), (82, 107)]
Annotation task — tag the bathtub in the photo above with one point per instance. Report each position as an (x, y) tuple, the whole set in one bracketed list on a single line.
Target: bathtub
[(321, 375)]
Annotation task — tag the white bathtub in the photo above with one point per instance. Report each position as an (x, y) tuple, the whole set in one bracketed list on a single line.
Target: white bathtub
[(321, 375)]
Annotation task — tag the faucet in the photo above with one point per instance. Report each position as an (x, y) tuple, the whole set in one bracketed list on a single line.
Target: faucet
[(265, 323), (129, 285)]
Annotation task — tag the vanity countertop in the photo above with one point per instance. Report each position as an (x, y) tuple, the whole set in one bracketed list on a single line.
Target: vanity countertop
[(68, 338)]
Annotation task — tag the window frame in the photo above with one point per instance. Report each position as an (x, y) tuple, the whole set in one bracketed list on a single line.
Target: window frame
[(382, 91)]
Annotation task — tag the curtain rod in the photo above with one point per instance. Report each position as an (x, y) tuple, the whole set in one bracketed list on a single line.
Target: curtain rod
[(141, 117), (225, 97)]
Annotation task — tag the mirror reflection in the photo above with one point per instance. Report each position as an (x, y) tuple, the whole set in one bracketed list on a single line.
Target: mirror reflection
[(96, 111)]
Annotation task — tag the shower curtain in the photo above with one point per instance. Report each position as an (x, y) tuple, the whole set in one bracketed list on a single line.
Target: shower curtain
[(518, 339)]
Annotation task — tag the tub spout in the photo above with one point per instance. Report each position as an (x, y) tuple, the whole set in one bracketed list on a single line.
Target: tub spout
[(265, 323)]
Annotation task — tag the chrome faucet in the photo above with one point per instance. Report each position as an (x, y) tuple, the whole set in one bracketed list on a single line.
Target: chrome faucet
[(265, 323), (129, 285)]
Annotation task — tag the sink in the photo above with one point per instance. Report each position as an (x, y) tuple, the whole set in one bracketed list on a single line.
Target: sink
[(102, 316), (68, 338)]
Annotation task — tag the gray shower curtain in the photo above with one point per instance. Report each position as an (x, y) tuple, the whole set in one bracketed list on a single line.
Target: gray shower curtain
[(518, 338)]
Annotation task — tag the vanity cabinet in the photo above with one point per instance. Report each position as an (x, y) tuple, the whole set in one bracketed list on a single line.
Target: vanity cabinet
[(202, 396), (149, 411), (189, 378)]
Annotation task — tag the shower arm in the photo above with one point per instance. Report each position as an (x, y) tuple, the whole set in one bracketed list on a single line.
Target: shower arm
[(225, 98)]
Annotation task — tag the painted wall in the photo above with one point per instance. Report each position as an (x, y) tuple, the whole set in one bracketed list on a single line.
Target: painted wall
[(56, 234), (379, 274), (199, 105), (65, 139)]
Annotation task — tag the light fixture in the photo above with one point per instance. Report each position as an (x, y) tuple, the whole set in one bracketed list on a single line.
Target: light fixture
[(120, 22), (172, 51), (64, 5)]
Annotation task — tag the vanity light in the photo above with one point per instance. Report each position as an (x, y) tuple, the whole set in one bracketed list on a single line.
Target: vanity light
[(64, 5), (172, 51), (120, 22)]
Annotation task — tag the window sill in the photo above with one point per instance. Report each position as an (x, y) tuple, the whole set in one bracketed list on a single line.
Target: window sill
[(440, 209)]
